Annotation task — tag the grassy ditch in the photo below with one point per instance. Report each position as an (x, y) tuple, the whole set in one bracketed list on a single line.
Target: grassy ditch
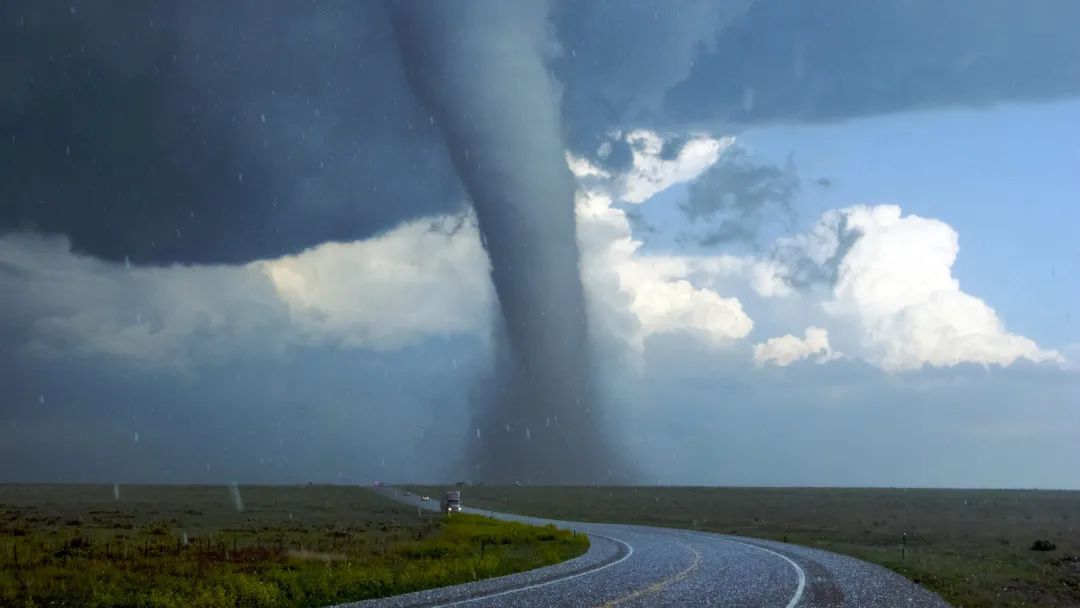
[(183, 546)]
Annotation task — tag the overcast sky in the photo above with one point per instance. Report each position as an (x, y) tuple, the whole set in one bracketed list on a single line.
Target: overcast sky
[(820, 243)]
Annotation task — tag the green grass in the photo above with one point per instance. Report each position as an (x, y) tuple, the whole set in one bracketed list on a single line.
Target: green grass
[(971, 546), (289, 546)]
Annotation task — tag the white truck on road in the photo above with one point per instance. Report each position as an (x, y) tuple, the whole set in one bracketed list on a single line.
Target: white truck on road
[(452, 502)]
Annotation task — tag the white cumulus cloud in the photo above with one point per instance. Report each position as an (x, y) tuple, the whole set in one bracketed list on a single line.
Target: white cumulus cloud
[(425, 278), (649, 172), (632, 295), (787, 349), (891, 274)]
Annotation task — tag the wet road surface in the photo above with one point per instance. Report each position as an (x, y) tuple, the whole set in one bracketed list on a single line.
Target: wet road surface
[(633, 566)]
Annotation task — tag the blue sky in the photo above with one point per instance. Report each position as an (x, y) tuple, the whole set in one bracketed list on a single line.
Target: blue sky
[(1005, 178)]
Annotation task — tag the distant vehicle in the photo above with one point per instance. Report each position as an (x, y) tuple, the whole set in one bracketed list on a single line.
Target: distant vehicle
[(519, 483), (425, 498), (378, 484), (452, 502), (408, 493)]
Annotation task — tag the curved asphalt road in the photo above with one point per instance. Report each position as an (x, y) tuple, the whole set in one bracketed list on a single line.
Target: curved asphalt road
[(645, 566)]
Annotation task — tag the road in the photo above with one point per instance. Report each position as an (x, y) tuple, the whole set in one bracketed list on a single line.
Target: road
[(629, 566)]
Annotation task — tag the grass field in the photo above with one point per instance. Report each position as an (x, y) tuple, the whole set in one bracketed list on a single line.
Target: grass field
[(971, 546), (217, 546)]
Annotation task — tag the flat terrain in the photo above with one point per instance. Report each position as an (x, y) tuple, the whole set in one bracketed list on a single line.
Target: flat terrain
[(212, 546), (971, 546), (634, 566)]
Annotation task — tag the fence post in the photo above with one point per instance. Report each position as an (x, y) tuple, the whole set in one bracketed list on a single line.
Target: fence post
[(903, 545)]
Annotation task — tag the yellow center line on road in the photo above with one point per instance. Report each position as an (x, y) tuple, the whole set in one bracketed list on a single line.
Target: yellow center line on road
[(660, 585)]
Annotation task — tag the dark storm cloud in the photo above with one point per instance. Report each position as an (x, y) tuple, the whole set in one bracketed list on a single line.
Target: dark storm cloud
[(208, 131), (835, 59), (726, 65), (737, 196), (620, 58)]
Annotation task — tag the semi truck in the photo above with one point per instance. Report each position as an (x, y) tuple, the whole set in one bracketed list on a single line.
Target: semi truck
[(452, 502)]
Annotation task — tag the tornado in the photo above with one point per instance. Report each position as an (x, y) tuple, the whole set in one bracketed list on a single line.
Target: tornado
[(479, 66)]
